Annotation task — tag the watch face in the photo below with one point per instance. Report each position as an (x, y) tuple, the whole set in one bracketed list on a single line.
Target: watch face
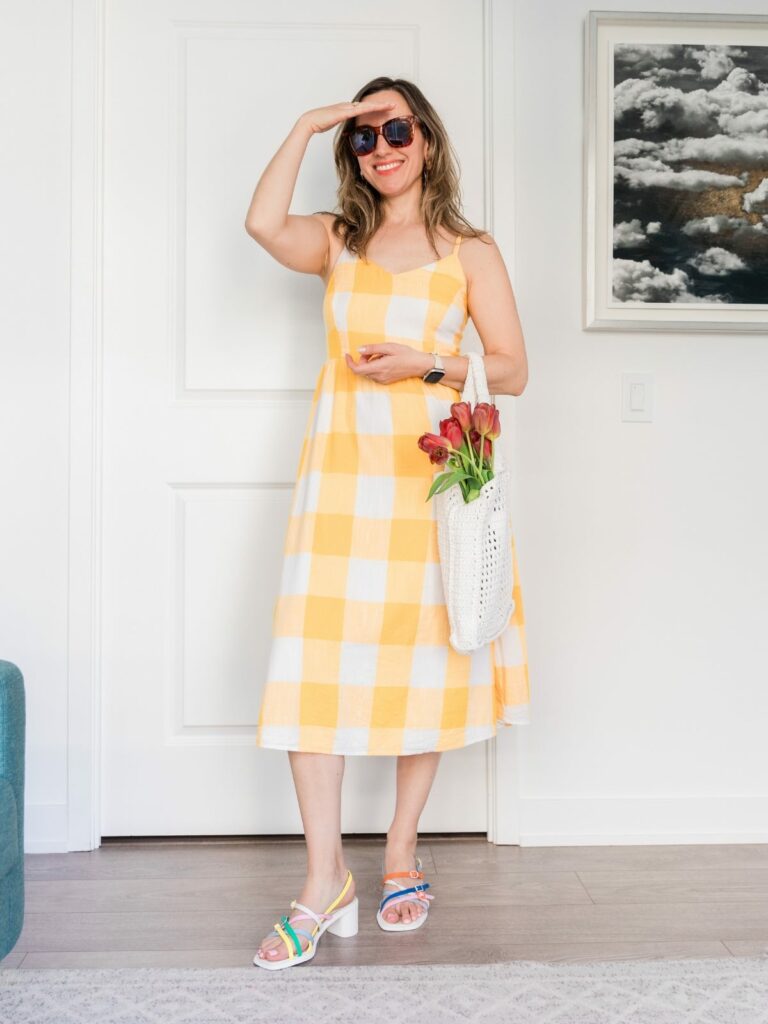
[(434, 376)]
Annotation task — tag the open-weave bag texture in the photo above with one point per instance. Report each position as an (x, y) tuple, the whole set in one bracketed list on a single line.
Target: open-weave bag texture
[(475, 543)]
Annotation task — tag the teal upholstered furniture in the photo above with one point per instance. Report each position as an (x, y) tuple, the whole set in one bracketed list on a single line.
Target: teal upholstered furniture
[(12, 739)]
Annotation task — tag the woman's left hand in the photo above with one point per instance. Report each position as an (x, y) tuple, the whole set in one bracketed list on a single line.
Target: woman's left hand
[(389, 361)]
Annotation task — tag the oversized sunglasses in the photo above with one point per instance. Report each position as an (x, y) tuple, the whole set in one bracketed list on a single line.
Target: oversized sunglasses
[(398, 133)]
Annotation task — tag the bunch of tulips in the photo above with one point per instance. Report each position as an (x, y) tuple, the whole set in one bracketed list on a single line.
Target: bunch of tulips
[(465, 444)]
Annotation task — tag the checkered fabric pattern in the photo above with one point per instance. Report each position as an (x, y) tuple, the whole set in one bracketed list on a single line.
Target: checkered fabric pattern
[(360, 661)]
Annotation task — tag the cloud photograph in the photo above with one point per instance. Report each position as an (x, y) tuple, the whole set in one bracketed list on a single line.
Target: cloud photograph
[(690, 174)]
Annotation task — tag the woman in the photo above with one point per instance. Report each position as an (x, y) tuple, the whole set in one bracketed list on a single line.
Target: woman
[(360, 661)]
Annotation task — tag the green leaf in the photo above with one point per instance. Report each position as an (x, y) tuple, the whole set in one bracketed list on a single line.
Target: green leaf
[(435, 484), (446, 480)]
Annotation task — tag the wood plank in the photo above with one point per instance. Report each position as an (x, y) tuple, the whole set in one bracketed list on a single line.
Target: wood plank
[(391, 953), (537, 923), (747, 947), (694, 885), (167, 894), (197, 860), (482, 856)]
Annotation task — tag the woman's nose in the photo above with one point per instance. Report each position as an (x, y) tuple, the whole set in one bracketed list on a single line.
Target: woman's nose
[(382, 147)]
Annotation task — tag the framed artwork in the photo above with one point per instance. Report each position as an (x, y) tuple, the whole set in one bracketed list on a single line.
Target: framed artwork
[(675, 206)]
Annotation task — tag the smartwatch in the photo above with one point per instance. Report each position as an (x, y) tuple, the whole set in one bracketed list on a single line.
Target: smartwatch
[(437, 372)]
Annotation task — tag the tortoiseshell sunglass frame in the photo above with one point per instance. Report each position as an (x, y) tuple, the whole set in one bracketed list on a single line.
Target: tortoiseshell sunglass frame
[(382, 130)]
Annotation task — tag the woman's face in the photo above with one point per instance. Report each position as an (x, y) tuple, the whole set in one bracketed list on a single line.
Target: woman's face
[(408, 161)]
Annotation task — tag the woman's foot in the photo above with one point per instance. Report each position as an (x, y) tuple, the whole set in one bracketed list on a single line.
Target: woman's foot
[(317, 894), (401, 856)]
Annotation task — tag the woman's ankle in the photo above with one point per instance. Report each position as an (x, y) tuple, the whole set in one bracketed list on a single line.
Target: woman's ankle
[(400, 841), (320, 873)]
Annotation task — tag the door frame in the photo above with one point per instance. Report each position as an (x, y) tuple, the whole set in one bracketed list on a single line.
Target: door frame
[(84, 670)]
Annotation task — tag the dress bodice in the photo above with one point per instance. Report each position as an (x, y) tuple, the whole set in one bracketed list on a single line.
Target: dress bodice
[(425, 307)]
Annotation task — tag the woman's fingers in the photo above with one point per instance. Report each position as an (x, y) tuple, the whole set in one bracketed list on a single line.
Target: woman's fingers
[(365, 367), (324, 118)]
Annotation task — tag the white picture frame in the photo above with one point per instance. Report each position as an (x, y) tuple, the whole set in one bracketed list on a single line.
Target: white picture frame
[(689, 161)]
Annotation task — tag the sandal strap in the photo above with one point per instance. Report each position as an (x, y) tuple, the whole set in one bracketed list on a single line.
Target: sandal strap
[(307, 936), (319, 918), (403, 874), (404, 893), (292, 944), (341, 895), (307, 915), (392, 882), (400, 898), (285, 929)]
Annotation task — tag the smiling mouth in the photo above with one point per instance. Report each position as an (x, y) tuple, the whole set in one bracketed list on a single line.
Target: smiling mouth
[(387, 168)]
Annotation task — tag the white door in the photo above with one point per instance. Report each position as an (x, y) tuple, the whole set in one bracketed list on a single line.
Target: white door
[(211, 351)]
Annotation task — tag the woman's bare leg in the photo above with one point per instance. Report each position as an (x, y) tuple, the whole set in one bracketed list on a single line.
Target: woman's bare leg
[(317, 778), (415, 774)]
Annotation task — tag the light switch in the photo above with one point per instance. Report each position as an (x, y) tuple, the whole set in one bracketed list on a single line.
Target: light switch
[(637, 397)]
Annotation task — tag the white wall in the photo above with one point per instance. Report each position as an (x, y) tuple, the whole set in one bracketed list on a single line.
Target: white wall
[(642, 547), (35, 52)]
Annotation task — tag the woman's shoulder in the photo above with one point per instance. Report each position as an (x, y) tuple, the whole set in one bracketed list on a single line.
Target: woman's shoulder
[(479, 246), (478, 254)]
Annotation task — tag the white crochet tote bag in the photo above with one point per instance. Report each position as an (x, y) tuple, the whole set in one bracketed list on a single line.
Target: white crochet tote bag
[(475, 543)]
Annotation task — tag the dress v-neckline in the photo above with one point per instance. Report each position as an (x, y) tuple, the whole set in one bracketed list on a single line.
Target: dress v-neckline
[(401, 273), (454, 253)]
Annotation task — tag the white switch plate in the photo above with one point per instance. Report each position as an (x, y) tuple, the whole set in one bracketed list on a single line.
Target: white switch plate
[(637, 397)]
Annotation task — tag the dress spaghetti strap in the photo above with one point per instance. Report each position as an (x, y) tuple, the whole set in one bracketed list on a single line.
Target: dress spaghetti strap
[(457, 243)]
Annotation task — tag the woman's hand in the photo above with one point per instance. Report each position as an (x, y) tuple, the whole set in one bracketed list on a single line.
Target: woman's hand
[(323, 118), (389, 361)]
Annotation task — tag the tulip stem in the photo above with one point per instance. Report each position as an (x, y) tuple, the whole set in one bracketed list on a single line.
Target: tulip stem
[(461, 454), (471, 452)]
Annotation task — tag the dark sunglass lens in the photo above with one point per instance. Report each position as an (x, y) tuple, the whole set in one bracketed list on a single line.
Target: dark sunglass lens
[(398, 132), (362, 141)]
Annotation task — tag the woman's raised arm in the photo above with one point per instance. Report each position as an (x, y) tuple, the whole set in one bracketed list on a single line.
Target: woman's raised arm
[(299, 242)]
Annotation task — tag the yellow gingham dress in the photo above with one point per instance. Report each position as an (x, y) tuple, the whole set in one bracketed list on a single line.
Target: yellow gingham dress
[(360, 661)]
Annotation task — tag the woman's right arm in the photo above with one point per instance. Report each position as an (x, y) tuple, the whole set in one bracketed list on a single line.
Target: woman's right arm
[(298, 242)]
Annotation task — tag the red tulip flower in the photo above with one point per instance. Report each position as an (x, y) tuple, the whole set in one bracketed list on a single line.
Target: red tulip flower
[(495, 430), (482, 417), (438, 448), (451, 428), (462, 411)]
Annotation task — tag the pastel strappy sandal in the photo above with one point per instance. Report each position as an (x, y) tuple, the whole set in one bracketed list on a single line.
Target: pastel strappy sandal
[(400, 894), (342, 923)]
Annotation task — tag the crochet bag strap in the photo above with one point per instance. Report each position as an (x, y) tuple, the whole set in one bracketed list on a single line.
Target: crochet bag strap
[(468, 391), (476, 384)]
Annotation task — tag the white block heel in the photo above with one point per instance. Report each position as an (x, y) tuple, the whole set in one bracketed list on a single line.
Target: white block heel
[(345, 925)]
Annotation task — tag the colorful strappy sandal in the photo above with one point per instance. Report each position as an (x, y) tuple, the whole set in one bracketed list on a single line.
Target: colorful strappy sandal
[(400, 895), (342, 923)]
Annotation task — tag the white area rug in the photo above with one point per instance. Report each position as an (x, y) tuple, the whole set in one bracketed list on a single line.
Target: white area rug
[(696, 991)]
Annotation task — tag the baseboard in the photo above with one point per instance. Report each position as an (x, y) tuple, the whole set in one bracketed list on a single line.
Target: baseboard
[(553, 821), (640, 820), (45, 828)]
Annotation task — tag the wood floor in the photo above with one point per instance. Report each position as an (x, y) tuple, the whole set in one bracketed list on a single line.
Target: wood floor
[(207, 903)]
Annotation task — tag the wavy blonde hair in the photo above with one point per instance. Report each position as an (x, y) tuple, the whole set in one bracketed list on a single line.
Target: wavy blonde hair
[(358, 211)]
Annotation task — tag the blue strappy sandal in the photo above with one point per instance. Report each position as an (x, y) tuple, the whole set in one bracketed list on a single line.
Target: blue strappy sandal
[(400, 895)]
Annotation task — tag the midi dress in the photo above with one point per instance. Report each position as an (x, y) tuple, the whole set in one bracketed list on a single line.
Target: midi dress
[(360, 661)]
